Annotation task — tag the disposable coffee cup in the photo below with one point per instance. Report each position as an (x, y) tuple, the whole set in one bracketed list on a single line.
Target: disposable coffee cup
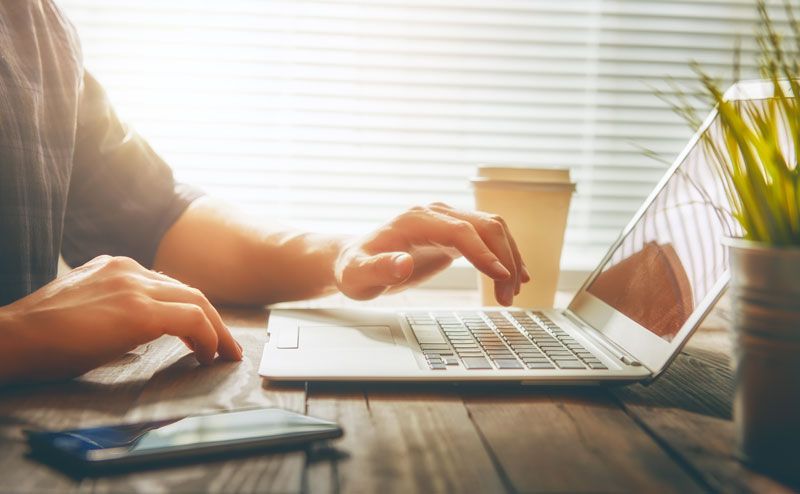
[(534, 203)]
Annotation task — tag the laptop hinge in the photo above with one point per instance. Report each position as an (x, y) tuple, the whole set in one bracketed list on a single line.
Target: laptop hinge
[(601, 339)]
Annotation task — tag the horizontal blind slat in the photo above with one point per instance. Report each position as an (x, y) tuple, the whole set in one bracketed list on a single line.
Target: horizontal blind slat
[(335, 114)]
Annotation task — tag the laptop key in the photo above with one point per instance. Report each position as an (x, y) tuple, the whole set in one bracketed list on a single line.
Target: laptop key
[(457, 341), (522, 348), (438, 366), (497, 348), (430, 334), (534, 359), (593, 365), (474, 363), (434, 346), (569, 364), (507, 363), (539, 365)]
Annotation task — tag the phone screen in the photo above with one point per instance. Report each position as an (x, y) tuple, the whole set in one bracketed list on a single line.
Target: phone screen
[(201, 433)]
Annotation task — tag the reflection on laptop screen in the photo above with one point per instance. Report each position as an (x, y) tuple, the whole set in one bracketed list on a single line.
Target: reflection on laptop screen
[(674, 255)]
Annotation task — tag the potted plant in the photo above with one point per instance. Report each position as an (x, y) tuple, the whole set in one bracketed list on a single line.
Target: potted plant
[(756, 156)]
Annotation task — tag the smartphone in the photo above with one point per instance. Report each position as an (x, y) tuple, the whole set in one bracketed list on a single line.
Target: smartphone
[(179, 439)]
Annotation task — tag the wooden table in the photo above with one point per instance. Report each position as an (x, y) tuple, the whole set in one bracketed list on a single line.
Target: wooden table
[(673, 436)]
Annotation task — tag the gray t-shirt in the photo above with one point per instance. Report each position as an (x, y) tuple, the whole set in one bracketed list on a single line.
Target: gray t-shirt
[(73, 178)]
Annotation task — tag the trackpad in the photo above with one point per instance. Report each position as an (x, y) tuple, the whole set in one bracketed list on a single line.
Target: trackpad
[(344, 336)]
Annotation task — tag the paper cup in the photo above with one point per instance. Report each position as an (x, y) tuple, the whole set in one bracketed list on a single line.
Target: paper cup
[(534, 203)]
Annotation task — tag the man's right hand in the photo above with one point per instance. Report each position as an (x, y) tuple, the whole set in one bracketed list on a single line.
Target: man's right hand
[(100, 311)]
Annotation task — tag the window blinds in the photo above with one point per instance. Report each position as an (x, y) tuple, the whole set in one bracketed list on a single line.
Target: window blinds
[(335, 115)]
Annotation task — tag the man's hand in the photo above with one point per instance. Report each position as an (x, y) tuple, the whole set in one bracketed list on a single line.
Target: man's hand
[(424, 240), (98, 312)]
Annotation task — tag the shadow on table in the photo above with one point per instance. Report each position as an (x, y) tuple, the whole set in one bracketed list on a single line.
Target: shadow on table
[(698, 381), (186, 378)]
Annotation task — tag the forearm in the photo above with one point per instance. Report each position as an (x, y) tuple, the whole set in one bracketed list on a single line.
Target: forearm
[(233, 260), (14, 351)]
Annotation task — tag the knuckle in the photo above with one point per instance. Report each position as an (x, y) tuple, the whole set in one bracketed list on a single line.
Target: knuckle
[(196, 314), (439, 204), (463, 227), (135, 303), (122, 283), (497, 219), (411, 215), (197, 294), (495, 227), (120, 263)]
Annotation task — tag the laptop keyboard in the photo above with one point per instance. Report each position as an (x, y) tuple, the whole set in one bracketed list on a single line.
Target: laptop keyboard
[(497, 340)]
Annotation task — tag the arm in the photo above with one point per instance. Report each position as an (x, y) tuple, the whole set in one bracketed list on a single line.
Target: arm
[(232, 260), (121, 199), (99, 311), (213, 247)]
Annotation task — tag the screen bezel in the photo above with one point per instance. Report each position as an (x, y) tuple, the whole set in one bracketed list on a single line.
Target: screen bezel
[(651, 350)]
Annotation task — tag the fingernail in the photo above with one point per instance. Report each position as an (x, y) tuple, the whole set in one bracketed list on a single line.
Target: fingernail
[(508, 295), (500, 271), (526, 274), (399, 270)]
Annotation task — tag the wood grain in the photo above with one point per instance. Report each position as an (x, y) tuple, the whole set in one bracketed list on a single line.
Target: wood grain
[(689, 410), (675, 435), (181, 386), (562, 440), (401, 439), (102, 396)]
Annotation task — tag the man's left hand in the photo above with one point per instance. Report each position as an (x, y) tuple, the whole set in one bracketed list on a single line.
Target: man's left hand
[(421, 242)]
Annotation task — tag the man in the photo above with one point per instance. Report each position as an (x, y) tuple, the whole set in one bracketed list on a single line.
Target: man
[(75, 180)]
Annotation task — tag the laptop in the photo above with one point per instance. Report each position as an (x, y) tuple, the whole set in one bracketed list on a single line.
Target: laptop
[(627, 322)]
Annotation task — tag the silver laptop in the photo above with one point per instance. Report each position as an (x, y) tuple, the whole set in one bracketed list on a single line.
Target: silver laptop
[(627, 323)]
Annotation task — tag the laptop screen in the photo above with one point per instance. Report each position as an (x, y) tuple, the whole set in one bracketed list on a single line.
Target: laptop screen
[(672, 257)]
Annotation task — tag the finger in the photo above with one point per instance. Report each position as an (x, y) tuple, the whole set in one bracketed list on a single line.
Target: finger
[(494, 231), (524, 276), (444, 230), (188, 342), (168, 291), (517, 257), (190, 324), (368, 276), (495, 234)]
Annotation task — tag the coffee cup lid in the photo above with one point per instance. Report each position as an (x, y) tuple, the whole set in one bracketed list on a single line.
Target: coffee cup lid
[(527, 185), (524, 174)]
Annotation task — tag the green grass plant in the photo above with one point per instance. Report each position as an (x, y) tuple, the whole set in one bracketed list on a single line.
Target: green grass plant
[(755, 151)]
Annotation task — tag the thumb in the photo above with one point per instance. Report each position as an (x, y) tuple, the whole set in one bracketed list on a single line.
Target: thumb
[(372, 275)]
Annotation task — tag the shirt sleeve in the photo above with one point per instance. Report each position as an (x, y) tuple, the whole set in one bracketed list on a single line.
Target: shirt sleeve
[(122, 196)]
